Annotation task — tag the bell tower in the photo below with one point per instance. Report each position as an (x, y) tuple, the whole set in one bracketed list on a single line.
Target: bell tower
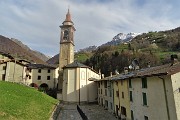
[(66, 55)]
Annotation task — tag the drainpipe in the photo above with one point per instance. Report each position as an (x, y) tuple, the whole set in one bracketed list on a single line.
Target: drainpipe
[(165, 95), (14, 70), (79, 87)]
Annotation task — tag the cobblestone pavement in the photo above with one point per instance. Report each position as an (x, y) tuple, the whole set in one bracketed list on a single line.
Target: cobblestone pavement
[(92, 111)]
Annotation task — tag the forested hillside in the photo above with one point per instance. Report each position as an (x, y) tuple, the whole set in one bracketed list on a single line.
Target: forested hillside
[(149, 49), (17, 51)]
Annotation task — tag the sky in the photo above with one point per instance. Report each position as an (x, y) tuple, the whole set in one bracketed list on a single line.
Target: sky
[(36, 22)]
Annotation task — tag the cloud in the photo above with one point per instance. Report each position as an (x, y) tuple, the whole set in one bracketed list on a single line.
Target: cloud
[(36, 22)]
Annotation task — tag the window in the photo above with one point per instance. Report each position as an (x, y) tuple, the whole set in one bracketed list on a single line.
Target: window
[(132, 115), (111, 105), (117, 93), (99, 85), (105, 92), (106, 104), (144, 99), (101, 91), (123, 110), (116, 83), (121, 82), (49, 70), (39, 70), (3, 77), (48, 77), (4, 67), (105, 84), (122, 94), (131, 99), (110, 93), (144, 82), (39, 77), (145, 117), (130, 85)]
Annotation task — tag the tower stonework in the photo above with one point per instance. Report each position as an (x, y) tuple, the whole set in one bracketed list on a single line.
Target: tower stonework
[(66, 55)]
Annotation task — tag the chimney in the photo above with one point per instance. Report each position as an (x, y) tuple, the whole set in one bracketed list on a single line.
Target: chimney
[(102, 76), (148, 64), (99, 71), (111, 74), (125, 70), (174, 59), (116, 72)]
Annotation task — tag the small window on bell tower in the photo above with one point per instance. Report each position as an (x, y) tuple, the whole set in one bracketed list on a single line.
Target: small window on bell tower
[(66, 35)]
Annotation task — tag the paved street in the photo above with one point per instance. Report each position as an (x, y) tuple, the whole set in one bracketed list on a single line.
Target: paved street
[(92, 111), (69, 112)]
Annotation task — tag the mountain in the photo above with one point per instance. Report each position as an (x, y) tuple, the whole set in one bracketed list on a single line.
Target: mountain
[(36, 53), (88, 49), (8, 46), (54, 60), (121, 38)]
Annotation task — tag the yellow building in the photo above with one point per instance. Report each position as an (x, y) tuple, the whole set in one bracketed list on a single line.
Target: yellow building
[(121, 97), (105, 93), (154, 93)]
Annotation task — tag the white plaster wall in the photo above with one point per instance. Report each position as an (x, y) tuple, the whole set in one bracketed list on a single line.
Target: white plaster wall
[(176, 92), (156, 108), (71, 91), (92, 87), (83, 84), (44, 73), (14, 72)]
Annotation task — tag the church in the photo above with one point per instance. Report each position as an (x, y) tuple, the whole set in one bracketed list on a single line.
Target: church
[(73, 84)]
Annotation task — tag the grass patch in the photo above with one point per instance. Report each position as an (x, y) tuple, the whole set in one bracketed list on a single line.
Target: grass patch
[(18, 102), (82, 57)]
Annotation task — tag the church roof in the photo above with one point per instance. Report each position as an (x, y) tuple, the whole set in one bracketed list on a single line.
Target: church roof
[(76, 64), (40, 66)]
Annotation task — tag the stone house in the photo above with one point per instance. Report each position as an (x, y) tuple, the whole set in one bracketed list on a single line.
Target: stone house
[(40, 75)]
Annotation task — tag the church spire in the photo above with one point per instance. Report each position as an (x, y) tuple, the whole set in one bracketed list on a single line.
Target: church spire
[(68, 16)]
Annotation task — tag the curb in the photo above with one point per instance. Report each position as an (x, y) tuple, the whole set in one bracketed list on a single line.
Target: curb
[(55, 112)]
